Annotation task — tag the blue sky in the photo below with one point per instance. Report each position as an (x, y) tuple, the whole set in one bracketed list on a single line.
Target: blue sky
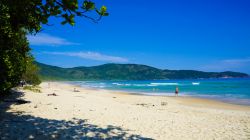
[(208, 35)]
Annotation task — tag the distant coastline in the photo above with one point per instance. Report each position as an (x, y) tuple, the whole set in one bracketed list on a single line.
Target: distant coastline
[(127, 72)]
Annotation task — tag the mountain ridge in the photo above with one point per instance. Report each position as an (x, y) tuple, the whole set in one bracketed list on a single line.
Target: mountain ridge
[(112, 71)]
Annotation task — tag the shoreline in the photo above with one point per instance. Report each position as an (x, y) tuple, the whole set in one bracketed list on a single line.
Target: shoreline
[(184, 99), (100, 114), (191, 100), (224, 100)]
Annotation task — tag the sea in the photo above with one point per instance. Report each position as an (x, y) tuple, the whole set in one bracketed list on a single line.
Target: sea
[(230, 90)]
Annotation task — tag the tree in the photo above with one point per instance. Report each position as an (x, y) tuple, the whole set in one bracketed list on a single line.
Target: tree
[(30, 76), (21, 17)]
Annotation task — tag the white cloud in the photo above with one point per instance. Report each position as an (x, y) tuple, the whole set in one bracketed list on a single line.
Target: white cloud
[(91, 56), (237, 61), (229, 64), (42, 39)]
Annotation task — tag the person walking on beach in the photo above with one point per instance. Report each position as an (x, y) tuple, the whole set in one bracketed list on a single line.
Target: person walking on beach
[(176, 91)]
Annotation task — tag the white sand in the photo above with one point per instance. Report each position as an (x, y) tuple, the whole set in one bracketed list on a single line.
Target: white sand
[(104, 114)]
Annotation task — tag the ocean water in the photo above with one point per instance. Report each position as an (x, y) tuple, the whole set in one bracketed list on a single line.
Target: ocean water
[(235, 90)]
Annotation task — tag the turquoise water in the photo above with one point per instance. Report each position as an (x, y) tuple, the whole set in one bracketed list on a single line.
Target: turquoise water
[(235, 91)]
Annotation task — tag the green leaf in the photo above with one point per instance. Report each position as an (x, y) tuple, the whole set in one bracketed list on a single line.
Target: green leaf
[(72, 23), (106, 14), (88, 5), (44, 21), (63, 22), (103, 9)]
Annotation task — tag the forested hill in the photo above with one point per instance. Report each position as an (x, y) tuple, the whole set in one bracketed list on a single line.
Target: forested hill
[(125, 72)]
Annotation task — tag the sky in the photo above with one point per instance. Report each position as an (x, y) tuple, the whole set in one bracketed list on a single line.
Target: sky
[(207, 35)]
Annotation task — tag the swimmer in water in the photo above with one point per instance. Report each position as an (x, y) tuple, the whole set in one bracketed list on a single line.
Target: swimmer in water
[(176, 91)]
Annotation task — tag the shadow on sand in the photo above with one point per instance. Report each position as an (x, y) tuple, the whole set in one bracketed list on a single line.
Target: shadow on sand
[(18, 126)]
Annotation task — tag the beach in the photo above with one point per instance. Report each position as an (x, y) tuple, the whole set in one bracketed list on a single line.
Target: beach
[(58, 112)]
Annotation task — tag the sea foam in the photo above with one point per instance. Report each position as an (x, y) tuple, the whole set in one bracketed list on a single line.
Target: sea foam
[(164, 84)]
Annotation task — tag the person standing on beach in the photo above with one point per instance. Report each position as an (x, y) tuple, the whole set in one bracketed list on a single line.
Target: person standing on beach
[(176, 91)]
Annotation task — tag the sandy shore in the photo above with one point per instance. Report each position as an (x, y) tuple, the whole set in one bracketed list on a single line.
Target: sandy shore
[(95, 114)]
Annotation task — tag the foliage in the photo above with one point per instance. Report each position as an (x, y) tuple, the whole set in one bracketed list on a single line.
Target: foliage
[(29, 14), (125, 72), (13, 51), (21, 17), (32, 88), (30, 76)]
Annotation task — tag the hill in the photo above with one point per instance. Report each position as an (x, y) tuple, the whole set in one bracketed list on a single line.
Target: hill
[(125, 72)]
